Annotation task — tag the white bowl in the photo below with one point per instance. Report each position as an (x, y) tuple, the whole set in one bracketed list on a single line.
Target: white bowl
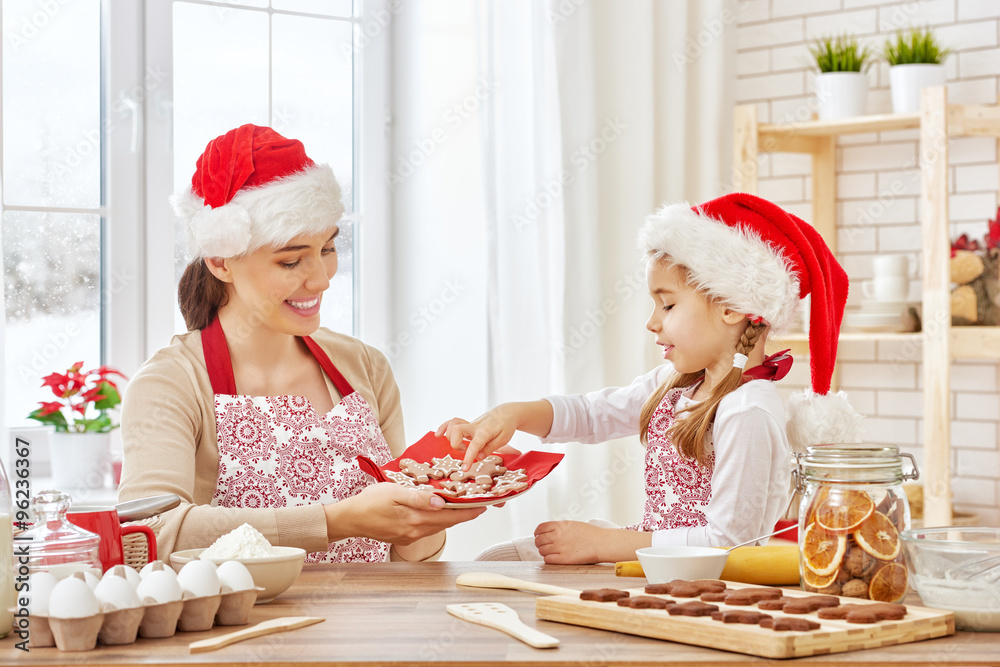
[(664, 564), (274, 573)]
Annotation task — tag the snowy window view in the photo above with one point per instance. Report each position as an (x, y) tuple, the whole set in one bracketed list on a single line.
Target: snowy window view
[(284, 63), (51, 194)]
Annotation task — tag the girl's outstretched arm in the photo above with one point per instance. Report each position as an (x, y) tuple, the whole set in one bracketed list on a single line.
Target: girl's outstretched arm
[(580, 543), (494, 429)]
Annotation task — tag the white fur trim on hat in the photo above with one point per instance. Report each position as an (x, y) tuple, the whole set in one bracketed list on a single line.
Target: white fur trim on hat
[(729, 263), (821, 419), (306, 202)]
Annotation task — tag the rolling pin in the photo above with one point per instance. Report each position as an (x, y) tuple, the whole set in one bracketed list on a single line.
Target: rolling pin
[(769, 565)]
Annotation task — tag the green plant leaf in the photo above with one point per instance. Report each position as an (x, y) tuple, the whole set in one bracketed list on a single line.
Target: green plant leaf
[(98, 424), (841, 54), (110, 394), (56, 419), (917, 46)]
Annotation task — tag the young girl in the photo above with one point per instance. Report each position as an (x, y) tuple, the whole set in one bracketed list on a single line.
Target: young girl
[(722, 276)]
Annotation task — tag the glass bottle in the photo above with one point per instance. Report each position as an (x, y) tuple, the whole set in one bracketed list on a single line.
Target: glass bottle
[(54, 544), (852, 511), (7, 573)]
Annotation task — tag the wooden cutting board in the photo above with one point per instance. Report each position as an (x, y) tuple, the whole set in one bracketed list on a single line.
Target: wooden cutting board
[(833, 636)]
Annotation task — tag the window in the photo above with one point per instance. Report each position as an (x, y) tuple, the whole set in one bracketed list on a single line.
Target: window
[(52, 187)]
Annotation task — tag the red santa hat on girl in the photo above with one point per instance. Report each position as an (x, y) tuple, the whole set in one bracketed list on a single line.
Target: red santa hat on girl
[(253, 188), (761, 260)]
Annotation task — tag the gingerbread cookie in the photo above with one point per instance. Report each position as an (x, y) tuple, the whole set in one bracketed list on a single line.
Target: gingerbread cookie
[(512, 480), (692, 608), (679, 588), (465, 489), (603, 594), (739, 616), (645, 602), (749, 596), (774, 604), (482, 472), (809, 604), (400, 478), (446, 465), (865, 613), (781, 624), (714, 597), (420, 472)]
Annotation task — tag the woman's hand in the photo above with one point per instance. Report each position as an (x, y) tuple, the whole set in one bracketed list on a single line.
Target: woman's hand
[(391, 513), (494, 429), (578, 543)]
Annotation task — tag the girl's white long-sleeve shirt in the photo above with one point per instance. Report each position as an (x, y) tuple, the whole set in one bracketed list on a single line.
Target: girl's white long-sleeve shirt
[(750, 481)]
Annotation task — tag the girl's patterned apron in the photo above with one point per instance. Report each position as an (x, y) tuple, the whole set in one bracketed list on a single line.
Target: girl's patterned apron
[(677, 489), (275, 451)]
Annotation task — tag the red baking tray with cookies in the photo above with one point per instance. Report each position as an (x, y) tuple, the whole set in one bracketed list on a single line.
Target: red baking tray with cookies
[(431, 462)]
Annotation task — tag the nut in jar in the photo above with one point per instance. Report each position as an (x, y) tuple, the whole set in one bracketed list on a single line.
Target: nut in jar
[(852, 512)]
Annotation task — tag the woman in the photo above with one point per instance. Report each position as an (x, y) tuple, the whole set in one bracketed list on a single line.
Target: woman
[(257, 415)]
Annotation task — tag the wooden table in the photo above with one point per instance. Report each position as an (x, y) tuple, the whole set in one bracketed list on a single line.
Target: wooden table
[(394, 614)]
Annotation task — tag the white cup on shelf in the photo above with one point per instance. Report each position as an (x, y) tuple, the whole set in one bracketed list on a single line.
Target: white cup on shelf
[(890, 266), (886, 288)]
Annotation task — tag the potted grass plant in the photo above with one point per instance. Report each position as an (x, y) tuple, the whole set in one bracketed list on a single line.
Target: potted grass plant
[(915, 61), (842, 82)]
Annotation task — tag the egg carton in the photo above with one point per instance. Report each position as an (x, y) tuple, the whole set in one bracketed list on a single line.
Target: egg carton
[(112, 626)]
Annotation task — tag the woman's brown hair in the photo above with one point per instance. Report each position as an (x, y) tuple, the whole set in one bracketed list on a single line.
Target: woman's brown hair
[(200, 295), (688, 435)]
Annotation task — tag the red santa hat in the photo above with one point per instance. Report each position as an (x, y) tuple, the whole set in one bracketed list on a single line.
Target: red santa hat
[(760, 260), (253, 188)]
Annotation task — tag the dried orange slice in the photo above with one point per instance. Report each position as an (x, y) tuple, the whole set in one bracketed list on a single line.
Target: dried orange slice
[(844, 511), (817, 582), (889, 584), (879, 537), (821, 495), (822, 551)]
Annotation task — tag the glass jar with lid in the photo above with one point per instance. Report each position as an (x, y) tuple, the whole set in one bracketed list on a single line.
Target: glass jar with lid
[(852, 512), (54, 544)]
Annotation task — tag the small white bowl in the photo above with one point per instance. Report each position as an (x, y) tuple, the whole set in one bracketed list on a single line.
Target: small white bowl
[(275, 574), (664, 564)]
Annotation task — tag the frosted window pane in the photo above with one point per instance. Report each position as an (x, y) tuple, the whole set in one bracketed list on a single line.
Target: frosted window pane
[(312, 86), (51, 103), (326, 7), (220, 78), (52, 301)]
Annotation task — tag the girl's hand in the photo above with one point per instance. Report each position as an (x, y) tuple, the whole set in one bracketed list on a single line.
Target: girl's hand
[(569, 542), (480, 438), (391, 513)]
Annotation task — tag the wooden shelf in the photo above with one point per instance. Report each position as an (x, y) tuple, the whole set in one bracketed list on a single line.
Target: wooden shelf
[(937, 345), (966, 342)]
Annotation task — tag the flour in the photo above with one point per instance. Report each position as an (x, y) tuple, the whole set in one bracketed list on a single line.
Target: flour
[(976, 606), (243, 542)]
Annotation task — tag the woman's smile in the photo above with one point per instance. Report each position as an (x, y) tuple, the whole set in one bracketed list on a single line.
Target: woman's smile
[(305, 308)]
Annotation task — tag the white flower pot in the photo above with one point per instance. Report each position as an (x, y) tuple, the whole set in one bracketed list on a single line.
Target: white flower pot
[(906, 82), (841, 94), (79, 460)]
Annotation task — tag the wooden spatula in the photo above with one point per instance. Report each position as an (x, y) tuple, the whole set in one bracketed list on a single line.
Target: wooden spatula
[(503, 618), (491, 580), (264, 628)]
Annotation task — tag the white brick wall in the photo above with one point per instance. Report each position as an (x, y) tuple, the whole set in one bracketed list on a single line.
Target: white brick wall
[(879, 202)]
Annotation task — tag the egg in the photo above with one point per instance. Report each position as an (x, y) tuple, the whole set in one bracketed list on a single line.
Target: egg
[(161, 586), (156, 566), (117, 592), (40, 585), (72, 598), (200, 578), (235, 575), (128, 573), (87, 577)]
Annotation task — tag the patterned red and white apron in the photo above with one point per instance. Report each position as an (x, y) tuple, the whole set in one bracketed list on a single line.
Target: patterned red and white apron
[(275, 451), (677, 489)]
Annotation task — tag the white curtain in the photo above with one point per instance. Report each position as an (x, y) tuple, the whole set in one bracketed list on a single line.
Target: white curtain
[(600, 112)]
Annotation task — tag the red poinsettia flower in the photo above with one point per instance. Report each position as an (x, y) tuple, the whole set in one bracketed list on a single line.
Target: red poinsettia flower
[(963, 243), (85, 393), (47, 408)]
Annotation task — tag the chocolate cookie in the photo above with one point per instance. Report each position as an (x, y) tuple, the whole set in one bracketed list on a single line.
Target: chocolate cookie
[(603, 594)]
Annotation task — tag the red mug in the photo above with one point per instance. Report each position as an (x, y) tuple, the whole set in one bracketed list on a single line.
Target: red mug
[(103, 520)]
